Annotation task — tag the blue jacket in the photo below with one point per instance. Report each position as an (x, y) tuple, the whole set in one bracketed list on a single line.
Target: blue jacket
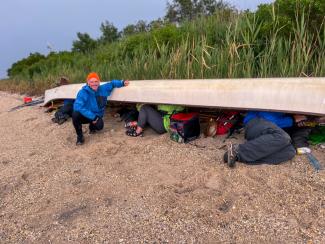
[(68, 101), (92, 104), (280, 119)]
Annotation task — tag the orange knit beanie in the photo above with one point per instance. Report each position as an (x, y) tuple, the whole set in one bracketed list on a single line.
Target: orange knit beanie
[(93, 77)]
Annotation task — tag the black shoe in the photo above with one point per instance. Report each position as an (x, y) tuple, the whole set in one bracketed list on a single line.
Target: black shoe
[(133, 132), (61, 121), (130, 124), (225, 157), (230, 157), (80, 140), (54, 120)]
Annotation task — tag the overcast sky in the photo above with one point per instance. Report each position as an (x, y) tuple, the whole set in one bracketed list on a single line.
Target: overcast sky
[(29, 26)]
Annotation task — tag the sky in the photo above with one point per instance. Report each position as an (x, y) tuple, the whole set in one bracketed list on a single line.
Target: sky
[(29, 26)]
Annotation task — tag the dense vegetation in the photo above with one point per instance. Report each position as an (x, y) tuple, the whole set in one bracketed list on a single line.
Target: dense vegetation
[(196, 39)]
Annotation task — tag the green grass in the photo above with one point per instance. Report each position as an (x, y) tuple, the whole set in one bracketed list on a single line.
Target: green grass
[(226, 45)]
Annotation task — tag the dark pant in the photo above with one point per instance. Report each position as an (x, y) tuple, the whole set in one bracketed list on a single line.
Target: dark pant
[(64, 112), (78, 119), (149, 115), (266, 143), (299, 136)]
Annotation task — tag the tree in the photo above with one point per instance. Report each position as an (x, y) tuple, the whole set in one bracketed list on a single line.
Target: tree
[(129, 30), (287, 13), (25, 63), (209, 7), (180, 10), (156, 24), (84, 44), (140, 27), (109, 32)]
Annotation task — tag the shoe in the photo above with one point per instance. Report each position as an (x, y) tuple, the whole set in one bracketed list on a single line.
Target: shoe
[(61, 121), (225, 157), (92, 131), (230, 157), (303, 150), (133, 132), (54, 120), (131, 124), (80, 140)]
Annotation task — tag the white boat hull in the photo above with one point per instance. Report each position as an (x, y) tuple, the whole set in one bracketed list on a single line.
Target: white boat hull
[(295, 95)]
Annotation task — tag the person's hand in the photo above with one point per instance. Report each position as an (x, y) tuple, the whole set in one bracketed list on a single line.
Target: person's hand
[(126, 83), (95, 120), (300, 119)]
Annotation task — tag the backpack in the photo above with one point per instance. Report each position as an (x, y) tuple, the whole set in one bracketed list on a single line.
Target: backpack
[(226, 121), (184, 127), (128, 115)]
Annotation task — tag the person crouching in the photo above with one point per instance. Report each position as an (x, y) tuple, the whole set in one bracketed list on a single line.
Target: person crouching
[(89, 106)]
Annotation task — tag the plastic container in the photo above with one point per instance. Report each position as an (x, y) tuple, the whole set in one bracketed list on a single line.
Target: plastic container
[(27, 99)]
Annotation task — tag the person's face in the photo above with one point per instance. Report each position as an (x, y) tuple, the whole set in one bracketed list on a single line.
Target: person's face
[(94, 84)]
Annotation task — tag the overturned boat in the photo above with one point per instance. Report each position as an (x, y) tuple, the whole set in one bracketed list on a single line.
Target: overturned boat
[(294, 95)]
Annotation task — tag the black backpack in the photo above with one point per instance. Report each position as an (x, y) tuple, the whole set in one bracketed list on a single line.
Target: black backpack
[(184, 127)]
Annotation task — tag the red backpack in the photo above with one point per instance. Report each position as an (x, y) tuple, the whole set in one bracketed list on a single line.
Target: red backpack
[(226, 121)]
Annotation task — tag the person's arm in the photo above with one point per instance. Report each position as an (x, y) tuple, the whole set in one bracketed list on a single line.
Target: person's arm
[(300, 119), (109, 86), (120, 83), (80, 105)]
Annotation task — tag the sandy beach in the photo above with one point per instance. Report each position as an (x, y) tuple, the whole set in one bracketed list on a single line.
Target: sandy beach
[(117, 189)]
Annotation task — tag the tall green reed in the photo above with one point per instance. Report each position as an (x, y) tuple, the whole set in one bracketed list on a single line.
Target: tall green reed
[(220, 46)]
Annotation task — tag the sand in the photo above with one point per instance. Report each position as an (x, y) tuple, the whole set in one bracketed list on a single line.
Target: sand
[(118, 189)]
